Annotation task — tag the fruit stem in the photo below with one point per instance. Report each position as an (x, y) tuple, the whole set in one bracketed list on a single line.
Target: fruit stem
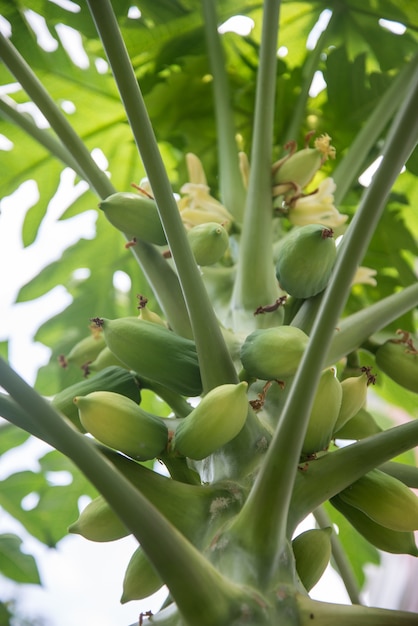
[(340, 557), (328, 614), (169, 551), (214, 359), (326, 476), (255, 282), (231, 187), (263, 519), (356, 328)]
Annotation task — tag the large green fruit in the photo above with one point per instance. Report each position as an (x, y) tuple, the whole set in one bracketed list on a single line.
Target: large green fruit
[(113, 378), (305, 260), (216, 420), (273, 353), (154, 352), (120, 423)]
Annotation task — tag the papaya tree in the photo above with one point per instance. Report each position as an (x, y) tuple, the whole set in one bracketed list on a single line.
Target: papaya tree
[(273, 294)]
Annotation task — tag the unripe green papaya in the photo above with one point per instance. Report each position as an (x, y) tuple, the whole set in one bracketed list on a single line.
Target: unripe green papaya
[(113, 378), (85, 350), (273, 353), (383, 538), (105, 359), (99, 522), (141, 579), (398, 361), (324, 413), (120, 423), (312, 550), (385, 499), (216, 420), (299, 168), (208, 242), (354, 394), (134, 215), (154, 352), (360, 426), (305, 260)]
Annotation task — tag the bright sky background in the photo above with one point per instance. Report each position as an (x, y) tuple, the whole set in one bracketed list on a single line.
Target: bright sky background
[(82, 580)]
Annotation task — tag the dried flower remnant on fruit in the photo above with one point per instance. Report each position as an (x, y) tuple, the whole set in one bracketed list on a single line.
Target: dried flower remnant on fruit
[(270, 308), (407, 340), (131, 243), (371, 378)]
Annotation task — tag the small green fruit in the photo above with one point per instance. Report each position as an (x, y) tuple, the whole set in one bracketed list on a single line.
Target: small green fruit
[(99, 522), (208, 242), (115, 379), (140, 580), (312, 550), (354, 394), (324, 413), (121, 424), (273, 353), (385, 499), (135, 215), (305, 260), (399, 361)]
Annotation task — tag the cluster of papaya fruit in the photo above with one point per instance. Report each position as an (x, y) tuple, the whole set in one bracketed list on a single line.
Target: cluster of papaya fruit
[(121, 357)]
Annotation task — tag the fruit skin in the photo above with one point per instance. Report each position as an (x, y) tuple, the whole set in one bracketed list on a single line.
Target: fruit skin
[(112, 378), (99, 522), (104, 359), (140, 580), (120, 423), (354, 394), (299, 168), (208, 242), (324, 413), (155, 352), (273, 353), (385, 499), (85, 350), (305, 260), (400, 363), (361, 425), (216, 420), (135, 216), (312, 550), (383, 538)]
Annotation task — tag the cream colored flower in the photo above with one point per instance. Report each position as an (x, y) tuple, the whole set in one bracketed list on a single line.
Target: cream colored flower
[(197, 206), (317, 207), (365, 276)]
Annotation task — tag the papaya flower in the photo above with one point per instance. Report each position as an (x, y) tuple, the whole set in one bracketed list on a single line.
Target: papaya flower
[(316, 207), (294, 172), (197, 206), (365, 276)]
